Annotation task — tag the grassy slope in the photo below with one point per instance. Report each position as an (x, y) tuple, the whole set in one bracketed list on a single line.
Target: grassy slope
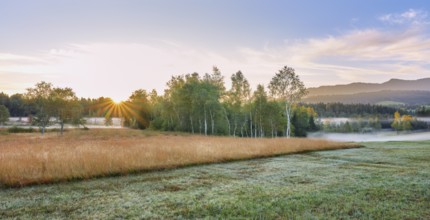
[(382, 181)]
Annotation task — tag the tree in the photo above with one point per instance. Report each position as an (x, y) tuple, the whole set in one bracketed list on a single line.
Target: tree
[(137, 111), (39, 96), (4, 114), (238, 96), (54, 103), (287, 87), (66, 107), (397, 122), (108, 120), (406, 122), (402, 123), (300, 121), (4, 100), (17, 107)]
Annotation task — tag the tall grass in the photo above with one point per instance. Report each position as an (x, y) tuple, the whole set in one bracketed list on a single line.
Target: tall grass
[(31, 159)]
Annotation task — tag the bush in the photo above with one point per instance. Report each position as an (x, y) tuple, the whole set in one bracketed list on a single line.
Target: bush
[(419, 125), (4, 114), (3, 132), (15, 129)]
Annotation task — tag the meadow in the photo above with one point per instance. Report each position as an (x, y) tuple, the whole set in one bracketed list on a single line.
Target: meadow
[(31, 158), (389, 180)]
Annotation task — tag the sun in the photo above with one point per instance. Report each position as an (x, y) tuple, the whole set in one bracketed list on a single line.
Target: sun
[(116, 101)]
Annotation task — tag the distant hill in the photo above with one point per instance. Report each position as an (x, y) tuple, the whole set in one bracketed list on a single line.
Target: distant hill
[(410, 92), (353, 88), (405, 97)]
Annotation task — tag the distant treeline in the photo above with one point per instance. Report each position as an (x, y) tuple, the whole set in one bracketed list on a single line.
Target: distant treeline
[(19, 106), (374, 124), (354, 110), (423, 111)]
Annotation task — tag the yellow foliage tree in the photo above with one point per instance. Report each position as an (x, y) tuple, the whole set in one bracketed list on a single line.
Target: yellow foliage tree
[(402, 123)]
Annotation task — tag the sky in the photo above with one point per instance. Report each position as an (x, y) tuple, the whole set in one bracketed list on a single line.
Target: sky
[(113, 47)]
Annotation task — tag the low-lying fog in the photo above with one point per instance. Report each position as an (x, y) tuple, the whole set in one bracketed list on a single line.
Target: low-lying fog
[(371, 137)]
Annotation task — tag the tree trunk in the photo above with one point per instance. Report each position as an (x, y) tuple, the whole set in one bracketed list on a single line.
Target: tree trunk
[(235, 127), (228, 122), (62, 127), (272, 127), (212, 122), (171, 122), (250, 124), (241, 131), (261, 128), (206, 124), (192, 125), (287, 111), (200, 125)]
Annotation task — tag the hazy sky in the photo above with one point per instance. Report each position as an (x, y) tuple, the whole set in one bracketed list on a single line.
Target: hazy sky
[(111, 48)]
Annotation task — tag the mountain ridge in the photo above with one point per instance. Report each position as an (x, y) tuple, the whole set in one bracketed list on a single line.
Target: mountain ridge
[(406, 97), (362, 87)]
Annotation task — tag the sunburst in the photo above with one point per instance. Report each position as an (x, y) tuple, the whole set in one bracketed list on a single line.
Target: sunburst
[(122, 109)]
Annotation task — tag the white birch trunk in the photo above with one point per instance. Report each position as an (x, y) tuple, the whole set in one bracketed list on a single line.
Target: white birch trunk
[(206, 124), (228, 122), (250, 119), (287, 110)]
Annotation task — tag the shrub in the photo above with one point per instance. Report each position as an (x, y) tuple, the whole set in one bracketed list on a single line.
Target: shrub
[(15, 129), (4, 114)]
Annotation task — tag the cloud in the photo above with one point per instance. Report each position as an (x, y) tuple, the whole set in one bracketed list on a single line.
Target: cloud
[(367, 55), (17, 82), (411, 16), (117, 69)]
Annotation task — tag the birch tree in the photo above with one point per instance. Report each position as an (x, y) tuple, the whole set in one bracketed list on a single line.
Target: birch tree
[(287, 87), (238, 95)]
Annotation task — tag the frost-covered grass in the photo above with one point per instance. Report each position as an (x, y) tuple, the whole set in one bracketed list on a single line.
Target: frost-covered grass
[(381, 181)]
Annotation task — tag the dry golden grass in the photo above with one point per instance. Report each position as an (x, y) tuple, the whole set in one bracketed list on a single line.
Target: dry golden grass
[(31, 159)]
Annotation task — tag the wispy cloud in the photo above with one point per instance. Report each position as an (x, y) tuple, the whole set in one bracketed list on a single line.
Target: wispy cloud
[(116, 69), (411, 16), (359, 55)]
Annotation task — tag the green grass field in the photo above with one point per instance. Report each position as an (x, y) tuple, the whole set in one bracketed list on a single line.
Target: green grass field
[(381, 181)]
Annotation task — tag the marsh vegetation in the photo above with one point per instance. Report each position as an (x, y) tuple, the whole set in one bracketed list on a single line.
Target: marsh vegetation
[(80, 154)]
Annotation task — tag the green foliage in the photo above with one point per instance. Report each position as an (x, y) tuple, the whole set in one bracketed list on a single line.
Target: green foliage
[(423, 111), (201, 104), (356, 126), (302, 120), (4, 114), (20, 130), (138, 110), (50, 103), (353, 110)]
